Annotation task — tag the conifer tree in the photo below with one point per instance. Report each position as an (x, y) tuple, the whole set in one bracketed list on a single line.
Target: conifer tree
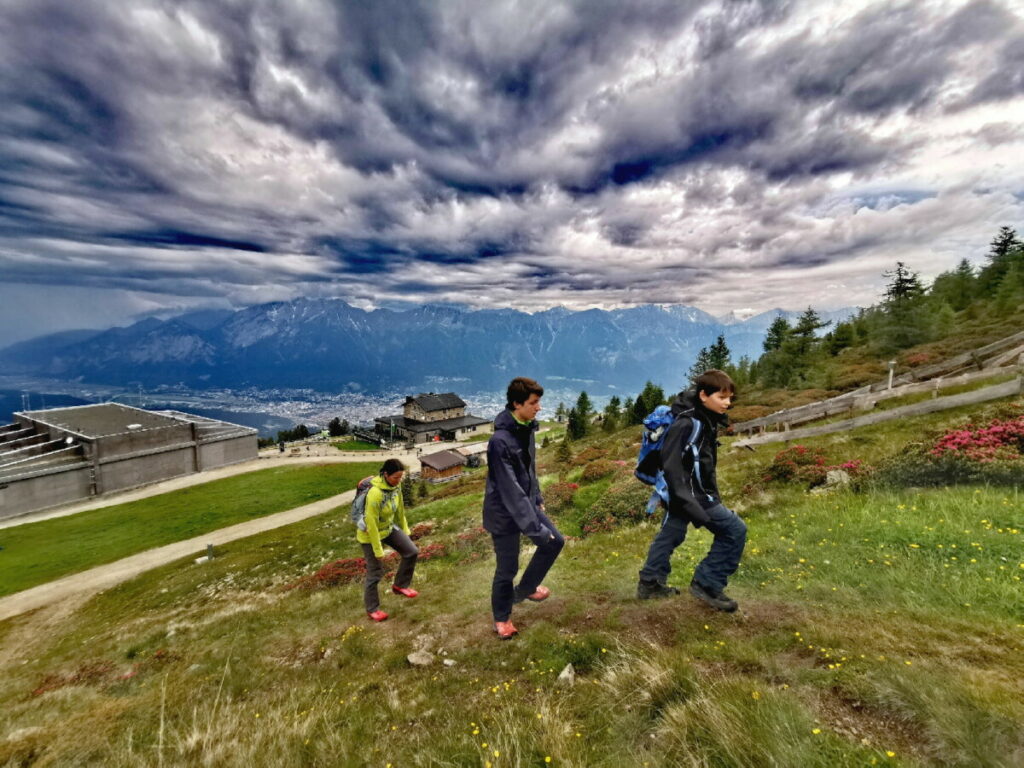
[(611, 415), (721, 357), (564, 453), (407, 491), (778, 331), (1000, 254), (627, 411), (560, 413)]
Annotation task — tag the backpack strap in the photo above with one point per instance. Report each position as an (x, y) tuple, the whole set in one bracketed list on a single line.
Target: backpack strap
[(694, 449)]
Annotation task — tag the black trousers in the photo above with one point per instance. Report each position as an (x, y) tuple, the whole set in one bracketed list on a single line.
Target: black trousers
[(504, 592), (406, 549)]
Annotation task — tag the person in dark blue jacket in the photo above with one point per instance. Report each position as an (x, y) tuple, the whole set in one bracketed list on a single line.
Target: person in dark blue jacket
[(513, 506)]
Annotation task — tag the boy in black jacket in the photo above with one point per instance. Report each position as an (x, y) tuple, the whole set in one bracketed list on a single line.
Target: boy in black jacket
[(694, 498)]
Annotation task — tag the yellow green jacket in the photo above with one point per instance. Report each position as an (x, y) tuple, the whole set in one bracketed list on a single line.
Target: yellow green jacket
[(384, 510)]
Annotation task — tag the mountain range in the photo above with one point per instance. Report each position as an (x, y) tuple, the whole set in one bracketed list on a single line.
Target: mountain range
[(329, 346)]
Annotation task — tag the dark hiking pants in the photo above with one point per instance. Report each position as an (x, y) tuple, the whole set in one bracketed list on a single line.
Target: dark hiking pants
[(406, 549), (722, 560), (504, 592)]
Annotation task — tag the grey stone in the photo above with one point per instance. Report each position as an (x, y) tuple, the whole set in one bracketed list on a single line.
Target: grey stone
[(449, 662), (567, 676), (420, 659)]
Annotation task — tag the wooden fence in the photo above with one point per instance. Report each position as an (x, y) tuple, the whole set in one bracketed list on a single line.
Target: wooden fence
[(986, 362), (1006, 389)]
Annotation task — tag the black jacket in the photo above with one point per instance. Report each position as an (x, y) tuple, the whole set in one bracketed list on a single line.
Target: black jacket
[(512, 496), (691, 493)]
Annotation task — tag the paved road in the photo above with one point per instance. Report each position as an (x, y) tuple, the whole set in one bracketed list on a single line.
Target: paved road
[(103, 577)]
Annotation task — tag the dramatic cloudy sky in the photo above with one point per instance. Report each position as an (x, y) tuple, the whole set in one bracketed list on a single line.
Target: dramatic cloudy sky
[(159, 155)]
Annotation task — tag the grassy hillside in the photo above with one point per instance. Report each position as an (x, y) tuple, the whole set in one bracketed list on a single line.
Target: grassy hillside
[(880, 627), (35, 553)]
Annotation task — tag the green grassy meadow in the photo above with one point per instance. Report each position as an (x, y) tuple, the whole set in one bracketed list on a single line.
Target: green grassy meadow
[(35, 553), (876, 628)]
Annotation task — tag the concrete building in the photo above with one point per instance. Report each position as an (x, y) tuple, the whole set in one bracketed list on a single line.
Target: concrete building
[(428, 417), (60, 455)]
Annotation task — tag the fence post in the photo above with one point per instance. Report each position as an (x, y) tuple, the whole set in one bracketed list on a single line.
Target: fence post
[(935, 387)]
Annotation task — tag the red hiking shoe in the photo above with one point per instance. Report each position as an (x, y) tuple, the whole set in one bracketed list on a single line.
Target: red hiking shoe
[(542, 593), (377, 615), (404, 591), (505, 630)]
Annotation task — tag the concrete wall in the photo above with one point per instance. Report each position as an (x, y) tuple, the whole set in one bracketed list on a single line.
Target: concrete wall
[(59, 486), (143, 440), (224, 452), (119, 474)]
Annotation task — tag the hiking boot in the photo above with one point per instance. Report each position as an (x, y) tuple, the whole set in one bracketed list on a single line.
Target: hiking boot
[(542, 593), (377, 615), (645, 590), (505, 629), (404, 591), (716, 598)]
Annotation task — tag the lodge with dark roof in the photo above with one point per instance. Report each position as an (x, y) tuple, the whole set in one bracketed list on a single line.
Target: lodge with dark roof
[(441, 466), (428, 417)]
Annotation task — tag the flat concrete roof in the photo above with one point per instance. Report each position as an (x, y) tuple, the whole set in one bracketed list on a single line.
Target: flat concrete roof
[(100, 420)]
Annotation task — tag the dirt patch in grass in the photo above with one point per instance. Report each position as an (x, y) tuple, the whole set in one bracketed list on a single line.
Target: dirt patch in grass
[(857, 721)]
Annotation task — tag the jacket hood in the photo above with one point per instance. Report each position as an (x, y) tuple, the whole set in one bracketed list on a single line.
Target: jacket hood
[(506, 421), (688, 400), (381, 484)]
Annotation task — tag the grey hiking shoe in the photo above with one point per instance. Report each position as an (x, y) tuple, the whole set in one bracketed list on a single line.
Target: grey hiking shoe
[(716, 598), (645, 590)]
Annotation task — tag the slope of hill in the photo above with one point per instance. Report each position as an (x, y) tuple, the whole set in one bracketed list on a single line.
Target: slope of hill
[(878, 627)]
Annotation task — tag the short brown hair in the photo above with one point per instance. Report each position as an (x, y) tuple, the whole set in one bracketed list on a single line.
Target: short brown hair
[(520, 389), (713, 381)]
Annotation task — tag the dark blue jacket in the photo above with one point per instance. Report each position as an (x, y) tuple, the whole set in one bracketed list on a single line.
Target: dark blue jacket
[(512, 497), (692, 493)]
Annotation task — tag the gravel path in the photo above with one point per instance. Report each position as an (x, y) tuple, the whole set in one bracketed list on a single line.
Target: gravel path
[(87, 583)]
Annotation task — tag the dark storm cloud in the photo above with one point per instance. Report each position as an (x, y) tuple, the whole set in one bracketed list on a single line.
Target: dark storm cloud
[(497, 153)]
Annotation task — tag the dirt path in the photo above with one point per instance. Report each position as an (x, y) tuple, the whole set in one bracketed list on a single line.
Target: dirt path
[(86, 583)]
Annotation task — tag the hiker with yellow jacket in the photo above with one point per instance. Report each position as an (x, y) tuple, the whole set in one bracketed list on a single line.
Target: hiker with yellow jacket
[(386, 524)]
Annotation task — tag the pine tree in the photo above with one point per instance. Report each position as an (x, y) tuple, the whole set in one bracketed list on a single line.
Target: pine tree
[(611, 415), (956, 288), (564, 453), (804, 333), (999, 255), (574, 427), (721, 356), (584, 413), (1011, 290), (704, 362), (560, 413), (905, 316), (423, 491), (842, 337), (778, 331), (904, 285), (334, 427), (627, 411), (407, 491)]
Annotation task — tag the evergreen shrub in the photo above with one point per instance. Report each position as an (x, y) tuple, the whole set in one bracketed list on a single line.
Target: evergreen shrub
[(622, 504), (595, 470), (558, 496)]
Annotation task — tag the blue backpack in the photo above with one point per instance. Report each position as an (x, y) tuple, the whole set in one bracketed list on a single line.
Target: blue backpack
[(649, 464)]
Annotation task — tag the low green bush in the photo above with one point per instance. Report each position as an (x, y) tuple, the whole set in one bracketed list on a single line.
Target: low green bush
[(623, 504), (595, 470), (558, 496)]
